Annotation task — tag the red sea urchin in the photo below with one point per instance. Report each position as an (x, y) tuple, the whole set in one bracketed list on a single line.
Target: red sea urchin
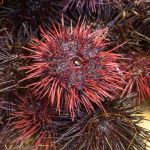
[(137, 77), (71, 68), (29, 125)]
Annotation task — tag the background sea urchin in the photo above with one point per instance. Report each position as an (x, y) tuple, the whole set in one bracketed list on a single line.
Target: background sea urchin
[(137, 77), (104, 10), (30, 124), (34, 13), (118, 130)]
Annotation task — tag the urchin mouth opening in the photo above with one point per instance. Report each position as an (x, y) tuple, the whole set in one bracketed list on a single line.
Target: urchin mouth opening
[(76, 62)]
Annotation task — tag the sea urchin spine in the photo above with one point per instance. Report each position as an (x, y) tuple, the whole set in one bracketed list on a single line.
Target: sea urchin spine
[(93, 6)]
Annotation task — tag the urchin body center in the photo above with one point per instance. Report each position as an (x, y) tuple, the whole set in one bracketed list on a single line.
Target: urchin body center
[(74, 63)]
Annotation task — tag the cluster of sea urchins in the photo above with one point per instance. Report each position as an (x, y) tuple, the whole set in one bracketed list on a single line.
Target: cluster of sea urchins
[(10, 51), (70, 88), (33, 125), (116, 130)]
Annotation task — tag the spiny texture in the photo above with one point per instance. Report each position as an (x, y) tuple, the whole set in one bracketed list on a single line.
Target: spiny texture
[(132, 26), (105, 10), (34, 126), (1, 117), (7, 58), (137, 77), (118, 130), (5, 108), (33, 12), (92, 5), (10, 49), (31, 124), (71, 68), (5, 50)]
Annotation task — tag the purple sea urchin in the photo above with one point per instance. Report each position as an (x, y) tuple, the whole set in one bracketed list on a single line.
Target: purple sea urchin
[(35, 13), (92, 5), (118, 130)]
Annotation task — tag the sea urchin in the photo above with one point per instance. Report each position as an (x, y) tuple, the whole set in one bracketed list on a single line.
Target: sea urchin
[(118, 130), (137, 77), (34, 13), (30, 125), (103, 9), (71, 68)]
